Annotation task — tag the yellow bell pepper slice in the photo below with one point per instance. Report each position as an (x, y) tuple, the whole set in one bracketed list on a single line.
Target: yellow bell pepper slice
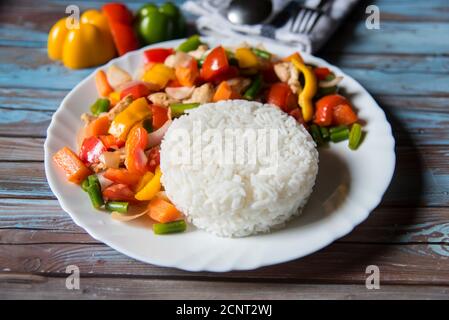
[(144, 180), (309, 90), (125, 120), (159, 74), (246, 58), (89, 45), (151, 188), (114, 97)]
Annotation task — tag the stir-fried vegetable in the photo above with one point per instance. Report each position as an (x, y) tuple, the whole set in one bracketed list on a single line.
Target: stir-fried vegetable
[(163, 211), (118, 206), (190, 44), (151, 188), (355, 136), (75, 170), (178, 109), (171, 227), (119, 146)]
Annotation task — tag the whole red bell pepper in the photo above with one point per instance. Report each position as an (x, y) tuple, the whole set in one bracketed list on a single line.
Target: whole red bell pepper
[(120, 22)]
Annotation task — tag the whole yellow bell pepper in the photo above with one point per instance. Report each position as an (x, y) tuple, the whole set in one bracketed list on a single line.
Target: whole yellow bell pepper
[(246, 58), (89, 45), (309, 90), (125, 120), (159, 74), (151, 188)]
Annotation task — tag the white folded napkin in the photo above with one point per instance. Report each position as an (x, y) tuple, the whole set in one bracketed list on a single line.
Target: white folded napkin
[(212, 21)]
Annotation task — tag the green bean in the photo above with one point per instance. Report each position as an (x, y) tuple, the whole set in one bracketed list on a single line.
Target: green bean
[(355, 136), (100, 106), (340, 135), (261, 53), (190, 44), (170, 227), (118, 206), (148, 125), (85, 185), (337, 129), (94, 191), (178, 109), (325, 133), (316, 134), (95, 196), (253, 89)]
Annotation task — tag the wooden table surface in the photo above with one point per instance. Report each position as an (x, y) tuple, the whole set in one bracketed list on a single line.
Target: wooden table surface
[(404, 65)]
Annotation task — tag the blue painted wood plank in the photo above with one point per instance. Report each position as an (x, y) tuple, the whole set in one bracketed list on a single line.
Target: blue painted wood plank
[(421, 178), (399, 264), (50, 224), (31, 68)]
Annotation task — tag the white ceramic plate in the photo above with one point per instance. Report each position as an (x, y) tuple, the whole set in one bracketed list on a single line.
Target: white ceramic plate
[(349, 186)]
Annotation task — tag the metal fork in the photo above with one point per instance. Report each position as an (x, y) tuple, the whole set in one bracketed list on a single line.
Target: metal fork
[(306, 18)]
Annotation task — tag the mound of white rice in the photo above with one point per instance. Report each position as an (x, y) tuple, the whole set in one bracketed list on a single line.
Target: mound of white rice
[(210, 173)]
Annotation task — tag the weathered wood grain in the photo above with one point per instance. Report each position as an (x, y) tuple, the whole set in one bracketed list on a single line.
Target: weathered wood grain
[(33, 221), (416, 120), (30, 68), (25, 149), (338, 263), (421, 178), (23, 286)]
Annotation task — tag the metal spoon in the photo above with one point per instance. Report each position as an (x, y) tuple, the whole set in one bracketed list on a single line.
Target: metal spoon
[(249, 11)]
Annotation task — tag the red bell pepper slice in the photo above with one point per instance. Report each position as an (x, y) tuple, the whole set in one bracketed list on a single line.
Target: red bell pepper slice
[(160, 116), (138, 91), (119, 192), (122, 176), (321, 73), (215, 63), (91, 149), (154, 159), (282, 96), (157, 55), (135, 158), (111, 142), (329, 111)]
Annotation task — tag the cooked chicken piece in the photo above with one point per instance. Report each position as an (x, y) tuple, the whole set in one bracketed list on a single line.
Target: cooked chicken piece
[(199, 52), (117, 76), (201, 94), (239, 84), (286, 72), (119, 107), (161, 99), (178, 59), (87, 118)]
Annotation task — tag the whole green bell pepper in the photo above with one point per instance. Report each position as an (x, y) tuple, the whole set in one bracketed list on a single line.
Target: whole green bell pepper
[(155, 24)]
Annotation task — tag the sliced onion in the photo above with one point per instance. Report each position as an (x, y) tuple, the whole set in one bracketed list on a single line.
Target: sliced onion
[(104, 182), (126, 217), (330, 83), (110, 159), (133, 83), (179, 59), (155, 137), (179, 93), (135, 211)]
